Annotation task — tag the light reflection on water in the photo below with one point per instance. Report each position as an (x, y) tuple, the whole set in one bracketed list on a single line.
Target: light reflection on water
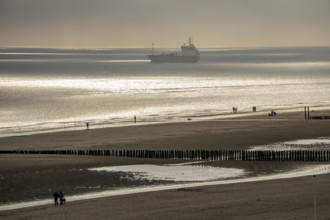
[(176, 172), (58, 88), (304, 171), (316, 144), (129, 85), (310, 141)]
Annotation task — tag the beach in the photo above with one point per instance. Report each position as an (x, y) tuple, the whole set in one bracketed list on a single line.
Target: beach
[(273, 199), (164, 109), (279, 199), (236, 133)]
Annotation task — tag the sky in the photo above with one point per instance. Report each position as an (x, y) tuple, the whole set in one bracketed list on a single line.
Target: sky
[(166, 23)]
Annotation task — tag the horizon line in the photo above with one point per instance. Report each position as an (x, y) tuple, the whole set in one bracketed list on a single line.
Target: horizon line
[(106, 48)]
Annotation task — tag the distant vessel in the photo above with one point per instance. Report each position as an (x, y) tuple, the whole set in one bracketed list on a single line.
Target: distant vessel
[(189, 54)]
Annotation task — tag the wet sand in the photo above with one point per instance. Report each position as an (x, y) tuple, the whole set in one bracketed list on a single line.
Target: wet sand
[(236, 133), (276, 199)]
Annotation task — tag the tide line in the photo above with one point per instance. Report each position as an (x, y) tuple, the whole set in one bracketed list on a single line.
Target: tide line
[(309, 171)]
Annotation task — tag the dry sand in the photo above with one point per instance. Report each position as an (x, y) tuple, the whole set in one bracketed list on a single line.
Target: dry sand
[(237, 133), (277, 199)]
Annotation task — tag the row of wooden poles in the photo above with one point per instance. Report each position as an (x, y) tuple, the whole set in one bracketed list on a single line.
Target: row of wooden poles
[(211, 155), (314, 117)]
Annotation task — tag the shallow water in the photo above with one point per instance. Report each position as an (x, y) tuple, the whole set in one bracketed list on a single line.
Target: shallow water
[(303, 171), (176, 172), (317, 144), (318, 141), (47, 89)]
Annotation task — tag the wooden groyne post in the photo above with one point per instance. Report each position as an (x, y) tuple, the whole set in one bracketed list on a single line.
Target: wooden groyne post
[(209, 155)]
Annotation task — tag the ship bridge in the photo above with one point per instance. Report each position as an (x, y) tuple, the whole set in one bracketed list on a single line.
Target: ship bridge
[(189, 50)]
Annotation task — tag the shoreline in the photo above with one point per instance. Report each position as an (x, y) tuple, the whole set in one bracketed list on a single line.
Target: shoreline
[(319, 170), (39, 174), (273, 199), (178, 119), (214, 134)]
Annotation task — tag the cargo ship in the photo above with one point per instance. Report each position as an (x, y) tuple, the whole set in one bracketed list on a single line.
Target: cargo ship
[(189, 54)]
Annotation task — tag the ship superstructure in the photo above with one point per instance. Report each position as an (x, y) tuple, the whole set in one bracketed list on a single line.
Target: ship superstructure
[(189, 54)]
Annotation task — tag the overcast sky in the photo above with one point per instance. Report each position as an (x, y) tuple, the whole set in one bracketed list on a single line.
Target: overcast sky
[(167, 23)]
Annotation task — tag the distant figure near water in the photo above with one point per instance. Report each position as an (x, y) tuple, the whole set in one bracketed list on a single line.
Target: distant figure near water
[(134, 118), (272, 113), (55, 195), (62, 199), (87, 125)]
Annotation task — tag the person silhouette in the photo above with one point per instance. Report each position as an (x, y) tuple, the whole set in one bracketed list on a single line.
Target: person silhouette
[(62, 199), (55, 195)]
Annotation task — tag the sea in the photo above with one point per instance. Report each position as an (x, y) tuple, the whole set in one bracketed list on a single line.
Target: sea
[(53, 89)]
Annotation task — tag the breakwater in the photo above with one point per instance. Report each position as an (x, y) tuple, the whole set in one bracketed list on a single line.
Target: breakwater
[(211, 155), (308, 116)]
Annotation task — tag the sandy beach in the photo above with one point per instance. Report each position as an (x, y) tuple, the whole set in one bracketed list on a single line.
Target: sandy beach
[(276, 199), (222, 133), (164, 110), (279, 199)]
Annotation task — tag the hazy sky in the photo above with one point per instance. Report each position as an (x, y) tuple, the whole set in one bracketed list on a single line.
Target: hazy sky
[(167, 23)]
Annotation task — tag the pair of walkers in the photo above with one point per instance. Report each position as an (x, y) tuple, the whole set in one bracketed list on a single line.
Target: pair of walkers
[(58, 196)]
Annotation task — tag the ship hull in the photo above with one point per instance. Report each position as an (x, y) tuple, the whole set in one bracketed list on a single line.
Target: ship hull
[(172, 59)]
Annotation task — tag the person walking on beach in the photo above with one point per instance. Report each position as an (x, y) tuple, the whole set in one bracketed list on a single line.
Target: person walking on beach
[(134, 118), (62, 199), (55, 195)]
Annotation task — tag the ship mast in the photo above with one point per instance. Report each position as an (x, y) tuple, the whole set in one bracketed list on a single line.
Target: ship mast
[(152, 48)]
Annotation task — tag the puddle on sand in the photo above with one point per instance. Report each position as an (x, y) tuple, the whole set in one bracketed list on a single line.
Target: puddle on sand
[(175, 172), (305, 171), (317, 141), (302, 144)]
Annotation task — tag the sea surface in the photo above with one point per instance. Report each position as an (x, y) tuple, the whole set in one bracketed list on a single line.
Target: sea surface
[(44, 90)]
